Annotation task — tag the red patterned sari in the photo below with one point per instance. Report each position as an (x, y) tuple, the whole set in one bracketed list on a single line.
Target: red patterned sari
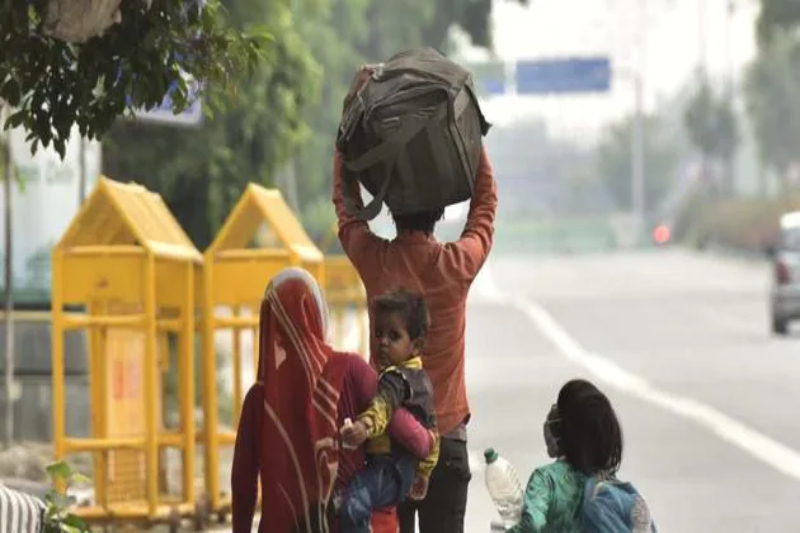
[(288, 432)]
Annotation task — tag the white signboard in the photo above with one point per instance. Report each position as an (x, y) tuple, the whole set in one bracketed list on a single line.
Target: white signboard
[(43, 205), (191, 116)]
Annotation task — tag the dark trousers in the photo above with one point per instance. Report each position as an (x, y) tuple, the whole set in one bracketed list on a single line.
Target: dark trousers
[(383, 482), (444, 507)]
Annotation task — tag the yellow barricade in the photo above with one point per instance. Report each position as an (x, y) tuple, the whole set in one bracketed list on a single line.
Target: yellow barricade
[(260, 237), (345, 295), (125, 260)]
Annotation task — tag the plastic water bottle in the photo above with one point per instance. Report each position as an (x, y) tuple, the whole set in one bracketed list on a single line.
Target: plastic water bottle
[(504, 488)]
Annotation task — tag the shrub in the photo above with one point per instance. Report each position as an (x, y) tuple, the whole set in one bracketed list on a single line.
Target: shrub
[(57, 518), (741, 223)]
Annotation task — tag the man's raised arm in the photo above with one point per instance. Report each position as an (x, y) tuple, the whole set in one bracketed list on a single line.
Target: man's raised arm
[(358, 241), (470, 251)]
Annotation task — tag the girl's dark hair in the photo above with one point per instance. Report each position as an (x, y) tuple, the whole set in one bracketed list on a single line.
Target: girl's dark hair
[(590, 434), (411, 308)]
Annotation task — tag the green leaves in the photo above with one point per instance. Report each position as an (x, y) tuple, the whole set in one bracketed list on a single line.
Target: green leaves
[(201, 172), (711, 123), (770, 90), (57, 519), (770, 85), (614, 160), (775, 17), (60, 471), (57, 85)]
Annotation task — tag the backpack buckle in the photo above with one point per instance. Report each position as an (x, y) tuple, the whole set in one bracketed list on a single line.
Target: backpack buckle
[(377, 74)]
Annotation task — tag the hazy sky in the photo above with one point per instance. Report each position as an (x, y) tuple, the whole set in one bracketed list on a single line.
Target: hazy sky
[(672, 51)]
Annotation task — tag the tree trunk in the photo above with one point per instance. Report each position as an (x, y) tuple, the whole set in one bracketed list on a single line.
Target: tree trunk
[(76, 21)]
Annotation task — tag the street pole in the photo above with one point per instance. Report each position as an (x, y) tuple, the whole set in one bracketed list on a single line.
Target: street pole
[(638, 157), (9, 305), (637, 134), (730, 168), (701, 45)]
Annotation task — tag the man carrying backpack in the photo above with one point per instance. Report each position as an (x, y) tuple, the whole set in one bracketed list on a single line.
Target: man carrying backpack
[(442, 273)]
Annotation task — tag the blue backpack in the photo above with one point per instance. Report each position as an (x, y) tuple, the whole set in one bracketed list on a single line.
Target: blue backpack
[(613, 506)]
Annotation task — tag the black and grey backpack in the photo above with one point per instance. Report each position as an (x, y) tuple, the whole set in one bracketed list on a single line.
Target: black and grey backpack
[(412, 135)]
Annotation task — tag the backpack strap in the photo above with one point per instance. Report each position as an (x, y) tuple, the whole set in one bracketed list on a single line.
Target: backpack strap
[(373, 208), (389, 149)]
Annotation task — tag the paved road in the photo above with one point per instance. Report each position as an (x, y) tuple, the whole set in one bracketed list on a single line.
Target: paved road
[(680, 343)]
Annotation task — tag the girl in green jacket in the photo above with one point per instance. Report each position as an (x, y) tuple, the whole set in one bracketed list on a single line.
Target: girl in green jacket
[(583, 435)]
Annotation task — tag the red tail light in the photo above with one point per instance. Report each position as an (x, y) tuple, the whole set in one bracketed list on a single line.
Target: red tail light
[(781, 273), (661, 234)]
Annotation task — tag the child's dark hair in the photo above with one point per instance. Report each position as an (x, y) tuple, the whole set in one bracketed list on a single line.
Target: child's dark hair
[(590, 437), (409, 306)]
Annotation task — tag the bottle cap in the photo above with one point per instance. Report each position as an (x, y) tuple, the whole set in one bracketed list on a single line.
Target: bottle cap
[(490, 455)]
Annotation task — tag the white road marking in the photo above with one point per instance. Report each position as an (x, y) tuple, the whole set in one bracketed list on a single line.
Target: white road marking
[(771, 452)]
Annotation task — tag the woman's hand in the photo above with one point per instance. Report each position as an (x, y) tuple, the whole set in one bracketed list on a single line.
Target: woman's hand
[(354, 435)]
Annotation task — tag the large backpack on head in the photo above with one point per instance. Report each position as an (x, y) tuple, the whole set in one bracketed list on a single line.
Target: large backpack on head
[(613, 506), (412, 135)]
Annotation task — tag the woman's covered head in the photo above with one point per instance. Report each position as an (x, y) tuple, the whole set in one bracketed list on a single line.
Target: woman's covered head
[(293, 314), (588, 431), (298, 284)]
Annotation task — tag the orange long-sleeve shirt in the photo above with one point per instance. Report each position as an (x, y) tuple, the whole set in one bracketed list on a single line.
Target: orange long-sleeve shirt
[(441, 272)]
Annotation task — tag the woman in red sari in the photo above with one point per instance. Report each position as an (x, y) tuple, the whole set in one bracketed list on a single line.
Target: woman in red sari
[(288, 432)]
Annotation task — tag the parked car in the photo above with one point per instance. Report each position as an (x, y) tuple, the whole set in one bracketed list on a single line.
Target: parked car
[(785, 293)]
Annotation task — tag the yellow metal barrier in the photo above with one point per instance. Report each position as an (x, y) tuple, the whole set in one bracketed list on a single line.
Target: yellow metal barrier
[(260, 237), (344, 292), (127, 262)]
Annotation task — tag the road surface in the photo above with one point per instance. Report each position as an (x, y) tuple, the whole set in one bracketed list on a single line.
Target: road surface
[(679, 341)]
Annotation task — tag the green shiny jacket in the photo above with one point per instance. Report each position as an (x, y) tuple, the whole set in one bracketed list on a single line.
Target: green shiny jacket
[(553, 500)]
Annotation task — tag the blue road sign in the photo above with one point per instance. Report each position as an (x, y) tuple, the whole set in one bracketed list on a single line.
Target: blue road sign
[(567, 75), (489, 77), (491, 87)]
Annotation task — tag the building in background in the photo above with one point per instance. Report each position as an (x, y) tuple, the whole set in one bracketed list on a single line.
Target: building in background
[(45, 198)]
